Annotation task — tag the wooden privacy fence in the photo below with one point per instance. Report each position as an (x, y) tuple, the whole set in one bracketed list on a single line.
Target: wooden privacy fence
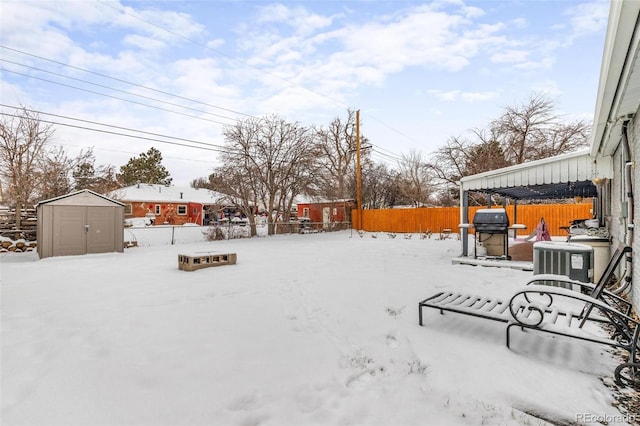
[(435, 219)]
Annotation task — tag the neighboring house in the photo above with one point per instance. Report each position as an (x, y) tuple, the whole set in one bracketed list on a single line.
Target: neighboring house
[(325, 211), (171, 205), (616, 128)]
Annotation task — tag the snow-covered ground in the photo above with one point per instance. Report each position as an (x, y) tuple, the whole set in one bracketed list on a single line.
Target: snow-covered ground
[(316, 329)]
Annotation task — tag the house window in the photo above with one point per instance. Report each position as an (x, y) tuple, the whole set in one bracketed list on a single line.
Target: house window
[(128, 209), (195, 211), (305, 212), (182, 210), (158, 209)]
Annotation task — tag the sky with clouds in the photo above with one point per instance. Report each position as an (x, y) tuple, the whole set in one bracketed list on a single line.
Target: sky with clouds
[(419, 72)]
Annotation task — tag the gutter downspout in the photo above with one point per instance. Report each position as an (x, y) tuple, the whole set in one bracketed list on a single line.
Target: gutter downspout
[(629, 230)]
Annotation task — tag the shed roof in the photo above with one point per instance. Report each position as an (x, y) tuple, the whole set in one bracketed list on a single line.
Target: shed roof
[(562, 176), (168, 194), (84, 197)]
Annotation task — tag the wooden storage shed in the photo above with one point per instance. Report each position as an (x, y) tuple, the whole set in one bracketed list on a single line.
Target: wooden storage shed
[(80, 223)]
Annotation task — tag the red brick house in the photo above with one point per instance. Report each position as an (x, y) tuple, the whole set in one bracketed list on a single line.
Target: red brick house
[(170, 205), (326, 211)]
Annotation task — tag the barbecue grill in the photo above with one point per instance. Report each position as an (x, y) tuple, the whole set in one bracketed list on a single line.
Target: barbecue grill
[(491, 229)]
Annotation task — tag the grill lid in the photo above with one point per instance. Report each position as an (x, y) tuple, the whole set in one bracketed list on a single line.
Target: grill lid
[(491, 220)]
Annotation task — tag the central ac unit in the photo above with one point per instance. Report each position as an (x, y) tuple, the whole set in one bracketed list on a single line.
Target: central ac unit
[(569, 259)]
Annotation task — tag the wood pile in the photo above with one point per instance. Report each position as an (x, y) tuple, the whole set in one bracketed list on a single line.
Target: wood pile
[(7, 245), (28, 224)]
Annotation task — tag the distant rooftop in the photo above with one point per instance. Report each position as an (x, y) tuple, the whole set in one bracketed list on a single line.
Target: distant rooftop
[(162, 193)]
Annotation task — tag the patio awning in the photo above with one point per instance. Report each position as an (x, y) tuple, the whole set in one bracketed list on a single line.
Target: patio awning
[(562, 176)]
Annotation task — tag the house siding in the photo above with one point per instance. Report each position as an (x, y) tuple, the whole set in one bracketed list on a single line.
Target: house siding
[(168, 202), (168, 212), (338, 211), (634, 142), (617, 222)]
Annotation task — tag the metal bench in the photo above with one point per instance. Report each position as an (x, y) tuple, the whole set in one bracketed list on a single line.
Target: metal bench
[(559, 311)]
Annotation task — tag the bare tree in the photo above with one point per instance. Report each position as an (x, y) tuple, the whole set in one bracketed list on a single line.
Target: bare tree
[(462, 157), (338, 146), (23, 137), (379, 185), (564, 137), (415, 178), (485, 155), (239, 176), (55, 171), (533, 131), (271, 161), (522, 133), (449, 162)]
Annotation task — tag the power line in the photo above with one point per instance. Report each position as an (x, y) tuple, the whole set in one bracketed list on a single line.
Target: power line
[(114, 97), (131, 152), (207, 47), (156, 90), (250, 66), (113, 126), (205, 148), (116, 90), (124, 81), (227, 56), (119, 90)]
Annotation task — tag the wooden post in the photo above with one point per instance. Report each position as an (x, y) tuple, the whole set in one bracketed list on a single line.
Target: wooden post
[(358, 171)]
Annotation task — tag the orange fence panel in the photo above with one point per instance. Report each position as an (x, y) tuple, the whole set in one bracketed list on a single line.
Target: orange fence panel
[(435, 219)]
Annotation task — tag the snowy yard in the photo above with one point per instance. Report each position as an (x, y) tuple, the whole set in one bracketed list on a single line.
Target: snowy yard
[(318, 329)]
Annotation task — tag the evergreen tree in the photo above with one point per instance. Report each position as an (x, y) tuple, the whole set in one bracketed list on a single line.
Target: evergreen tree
[(84, 175), (146, 168), (101, 179)]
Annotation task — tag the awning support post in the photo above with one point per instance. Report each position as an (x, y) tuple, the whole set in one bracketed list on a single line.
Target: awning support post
[(464, 231)]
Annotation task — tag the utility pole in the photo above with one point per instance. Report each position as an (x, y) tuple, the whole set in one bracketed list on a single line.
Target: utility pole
[(358, 171)]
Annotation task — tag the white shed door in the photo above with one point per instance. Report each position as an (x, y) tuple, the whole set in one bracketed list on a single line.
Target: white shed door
[(82, 230), (100, 231), (68, 231)]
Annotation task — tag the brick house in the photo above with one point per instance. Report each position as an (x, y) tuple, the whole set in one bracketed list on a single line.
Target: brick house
[(326, 211), (171, 205)]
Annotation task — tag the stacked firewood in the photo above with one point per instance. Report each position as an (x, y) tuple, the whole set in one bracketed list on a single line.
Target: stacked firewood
[(16, 246)]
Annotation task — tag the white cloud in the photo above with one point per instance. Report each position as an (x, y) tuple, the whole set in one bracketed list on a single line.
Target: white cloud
[(541, 64), (510, 56), (473, 12), (171, 27), (215, 44), (588, 18), (449, 96), (147, 44), (479, 96), (519, 23), (366, 53), (455, 95), (548, 87), (292, 60), (299, 18)]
